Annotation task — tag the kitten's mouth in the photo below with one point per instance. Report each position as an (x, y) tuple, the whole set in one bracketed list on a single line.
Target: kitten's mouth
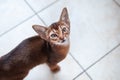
[(62, 41), (59, 42)]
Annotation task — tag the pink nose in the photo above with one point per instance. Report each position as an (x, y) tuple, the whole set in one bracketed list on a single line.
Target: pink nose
[(61, 38)]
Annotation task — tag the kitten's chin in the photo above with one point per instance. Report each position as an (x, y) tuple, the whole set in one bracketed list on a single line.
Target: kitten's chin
[(62, 42)]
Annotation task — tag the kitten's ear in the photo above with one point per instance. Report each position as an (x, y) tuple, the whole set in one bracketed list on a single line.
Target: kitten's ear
[(40, 30), (64, 16)]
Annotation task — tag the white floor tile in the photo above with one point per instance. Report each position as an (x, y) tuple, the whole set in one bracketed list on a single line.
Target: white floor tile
[(118, 1), (83, 77), (12, 12), (106, 21), (69, 69), (52, 14), (14, 37), (107, 68), (38, 5), (87, 44)]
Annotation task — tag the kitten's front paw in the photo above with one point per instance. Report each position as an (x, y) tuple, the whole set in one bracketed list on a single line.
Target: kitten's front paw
[(55, 69)]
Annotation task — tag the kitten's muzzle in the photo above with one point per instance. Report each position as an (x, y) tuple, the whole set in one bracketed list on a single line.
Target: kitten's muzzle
[(63, 40)]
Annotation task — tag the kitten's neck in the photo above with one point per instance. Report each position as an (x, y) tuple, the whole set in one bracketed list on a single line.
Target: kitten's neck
[(61, 48)]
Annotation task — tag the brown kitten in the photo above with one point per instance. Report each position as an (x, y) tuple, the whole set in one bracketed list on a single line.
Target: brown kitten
[(50, 46)]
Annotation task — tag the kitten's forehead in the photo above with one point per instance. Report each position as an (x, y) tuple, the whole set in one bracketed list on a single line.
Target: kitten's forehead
[(58, 25), (55, 26)]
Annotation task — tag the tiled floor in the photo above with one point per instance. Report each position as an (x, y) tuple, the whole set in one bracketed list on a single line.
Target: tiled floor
[(95, 35)]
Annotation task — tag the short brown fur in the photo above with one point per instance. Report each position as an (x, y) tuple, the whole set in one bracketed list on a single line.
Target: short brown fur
[(50, 46)]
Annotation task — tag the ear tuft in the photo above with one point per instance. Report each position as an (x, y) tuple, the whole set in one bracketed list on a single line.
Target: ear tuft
[(64, 16), (40, 30)]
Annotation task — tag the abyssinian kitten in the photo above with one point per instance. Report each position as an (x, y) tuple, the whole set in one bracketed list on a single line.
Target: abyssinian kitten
[(50, 46)]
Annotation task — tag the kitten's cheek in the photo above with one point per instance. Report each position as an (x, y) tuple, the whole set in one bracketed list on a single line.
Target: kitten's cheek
[(67, 36)]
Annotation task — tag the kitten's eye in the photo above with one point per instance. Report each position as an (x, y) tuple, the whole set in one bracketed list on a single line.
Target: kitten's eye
[(53, 35), (64, 29)]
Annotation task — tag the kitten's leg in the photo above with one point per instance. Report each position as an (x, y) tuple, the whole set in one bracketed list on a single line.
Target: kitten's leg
[(54, 67)]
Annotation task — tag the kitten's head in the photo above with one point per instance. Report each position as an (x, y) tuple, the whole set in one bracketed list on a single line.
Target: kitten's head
[(56, 33)]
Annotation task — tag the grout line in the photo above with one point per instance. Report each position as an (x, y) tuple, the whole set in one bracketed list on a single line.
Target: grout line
[(98, 60), (47, 6), (80, 67), (27, 19), (116, 3), (78, 75), (40, 10), (44, 9), (35, 12), (16, 25), (103, 56), (46, 25), (42, 20)]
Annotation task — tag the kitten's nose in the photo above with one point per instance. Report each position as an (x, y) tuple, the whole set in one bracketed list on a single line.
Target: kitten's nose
[(62, 39)]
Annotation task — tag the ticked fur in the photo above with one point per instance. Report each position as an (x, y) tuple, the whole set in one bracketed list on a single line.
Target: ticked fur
[(50, 46)]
